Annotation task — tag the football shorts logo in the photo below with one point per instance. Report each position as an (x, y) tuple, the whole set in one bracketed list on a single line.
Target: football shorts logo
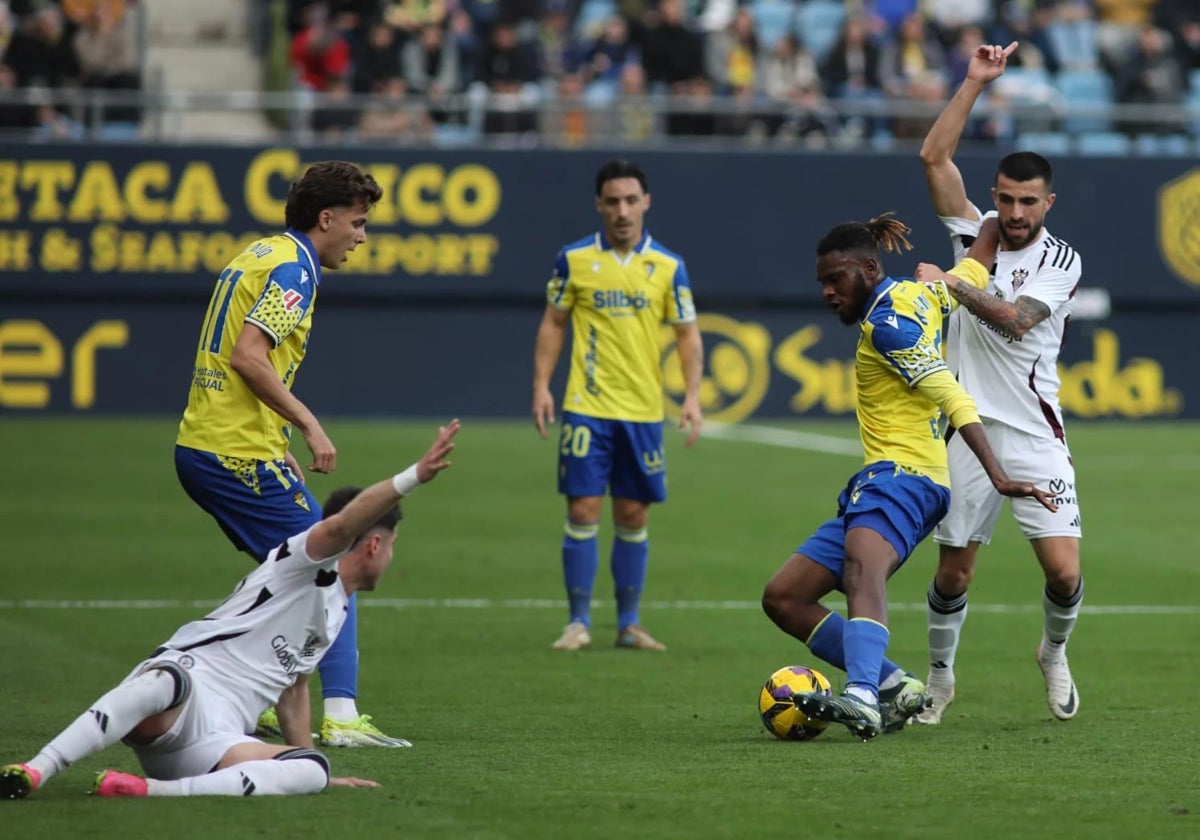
[(292, 299), (1018, 278), (1178, 223), (300, 499), (1057, 487)]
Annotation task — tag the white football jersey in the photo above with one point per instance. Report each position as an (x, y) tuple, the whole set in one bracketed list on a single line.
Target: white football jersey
[(277, 624), (963, 233), (1015, 381)]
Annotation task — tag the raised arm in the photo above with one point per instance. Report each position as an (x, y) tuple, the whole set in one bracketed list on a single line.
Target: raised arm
[(942, 176), (334, 534)]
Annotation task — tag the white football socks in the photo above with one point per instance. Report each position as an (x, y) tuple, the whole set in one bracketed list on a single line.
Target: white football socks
[(946, 618), (250, 778)]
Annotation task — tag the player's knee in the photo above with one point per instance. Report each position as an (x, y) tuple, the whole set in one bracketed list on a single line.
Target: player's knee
[(312, 781), (182, 681), (778, 600), (1063, 581), (956, 570)]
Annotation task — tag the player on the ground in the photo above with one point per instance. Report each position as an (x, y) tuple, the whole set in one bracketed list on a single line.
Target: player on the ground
[(232, 454), (903, 490), (616, 287), (186, 710), (1004, 347)]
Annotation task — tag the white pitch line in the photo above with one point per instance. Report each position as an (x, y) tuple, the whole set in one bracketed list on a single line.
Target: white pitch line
[(552, 603), (788, 438)]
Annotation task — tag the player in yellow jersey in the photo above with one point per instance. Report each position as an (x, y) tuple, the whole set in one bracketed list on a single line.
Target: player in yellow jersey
[(616, 287), (232, 454), (903, 490)]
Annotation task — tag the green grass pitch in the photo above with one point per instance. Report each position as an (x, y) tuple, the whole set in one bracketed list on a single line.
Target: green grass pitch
[(514, 740)]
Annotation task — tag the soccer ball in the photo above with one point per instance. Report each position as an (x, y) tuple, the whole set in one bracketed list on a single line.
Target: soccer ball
[(779, 715)]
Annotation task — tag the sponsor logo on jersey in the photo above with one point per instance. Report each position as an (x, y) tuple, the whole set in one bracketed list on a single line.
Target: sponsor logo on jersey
[(619, 299), (292, 299)]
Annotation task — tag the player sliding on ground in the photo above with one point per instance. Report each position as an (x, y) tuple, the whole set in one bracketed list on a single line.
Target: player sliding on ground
[(186, 710), (903, 490)]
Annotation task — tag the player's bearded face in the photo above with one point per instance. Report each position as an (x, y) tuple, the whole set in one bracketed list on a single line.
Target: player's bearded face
[(1022, 207), (623, 205)]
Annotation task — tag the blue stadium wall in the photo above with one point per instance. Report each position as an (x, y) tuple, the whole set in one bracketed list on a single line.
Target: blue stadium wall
[(108, 255)]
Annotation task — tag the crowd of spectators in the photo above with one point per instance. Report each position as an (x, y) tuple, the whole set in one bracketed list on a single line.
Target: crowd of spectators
[(50, 49), (566, 71)]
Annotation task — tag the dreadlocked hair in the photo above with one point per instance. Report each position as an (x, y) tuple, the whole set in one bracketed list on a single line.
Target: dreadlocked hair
[(884, 232)]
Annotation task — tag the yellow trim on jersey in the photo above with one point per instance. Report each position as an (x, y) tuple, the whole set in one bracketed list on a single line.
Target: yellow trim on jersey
[(943, 389)]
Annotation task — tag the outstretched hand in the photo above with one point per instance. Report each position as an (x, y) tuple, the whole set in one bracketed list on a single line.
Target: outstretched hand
[(989, 61), (434, 461), (1021, 489), (351, 781)]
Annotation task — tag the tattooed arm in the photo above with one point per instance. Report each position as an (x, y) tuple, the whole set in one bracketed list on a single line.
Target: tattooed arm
[(1015, 319)]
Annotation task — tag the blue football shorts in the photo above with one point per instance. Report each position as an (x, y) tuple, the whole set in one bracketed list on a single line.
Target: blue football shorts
[(901, 506), (595, 456), (258, 504)]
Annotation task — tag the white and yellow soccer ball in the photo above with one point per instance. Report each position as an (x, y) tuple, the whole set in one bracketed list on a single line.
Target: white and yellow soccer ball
[(779, 714)]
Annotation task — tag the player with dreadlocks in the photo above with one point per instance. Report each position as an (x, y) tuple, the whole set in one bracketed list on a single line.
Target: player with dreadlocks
[(902, 491)]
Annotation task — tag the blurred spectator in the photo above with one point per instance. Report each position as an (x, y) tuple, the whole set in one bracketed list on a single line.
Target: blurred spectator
[(556, 43), (929, 88), (466, 45), (320, 55), (1026, 21), (508, 67), (1182, 19), (39, 53), (852, 66), (959, 55), (565, 124), (396, 118), (106, 47), (336, 115), (788, 67), (671, 52), (1151, 77), (910, 59), (1118, 25), (947, 18), (606, 58), (431, 65), (15, 117), (731, 56), (637, 118), (886, 16), (377, 58), (809, 119), (716, 15), (8, 23), (690, 109)]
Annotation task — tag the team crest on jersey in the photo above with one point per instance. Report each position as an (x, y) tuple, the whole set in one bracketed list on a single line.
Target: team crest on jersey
[(650, 270), (1019, 275), (301, 500), (291, 299), (1178, 220)]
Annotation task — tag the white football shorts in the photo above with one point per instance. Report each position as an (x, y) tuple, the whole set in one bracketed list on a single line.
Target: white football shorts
[(207, 727), (975, 504)]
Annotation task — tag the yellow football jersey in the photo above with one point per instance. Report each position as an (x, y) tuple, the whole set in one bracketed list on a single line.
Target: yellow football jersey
[(617, 306), (272, 285), (900, 345)]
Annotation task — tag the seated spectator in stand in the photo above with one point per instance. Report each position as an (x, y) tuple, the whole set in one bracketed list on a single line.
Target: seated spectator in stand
[(1025, 22), (397, 118), (1182, 19), (508, 67), (39, 53), (791, 83), (79, 12), (335, 116), (431, 64), (566, 123), (636, 116), (1152, 76), (672, 53), (605, 59), (377, 57), (319, 54), (556, 42), (1118, 24), (910, 58), (409, 16), (731, 56), (851, 68), (106, 48)]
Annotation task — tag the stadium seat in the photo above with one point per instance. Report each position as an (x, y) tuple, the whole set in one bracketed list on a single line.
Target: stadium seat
[(1103, 143), (772, 20), (818, 24), (1090, 89), (1044, 143)]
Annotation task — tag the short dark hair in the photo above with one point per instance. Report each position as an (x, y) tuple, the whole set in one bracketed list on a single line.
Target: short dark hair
[(1026, 166), (341, 497), (864, 239), (620, 168), (330, 183)]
